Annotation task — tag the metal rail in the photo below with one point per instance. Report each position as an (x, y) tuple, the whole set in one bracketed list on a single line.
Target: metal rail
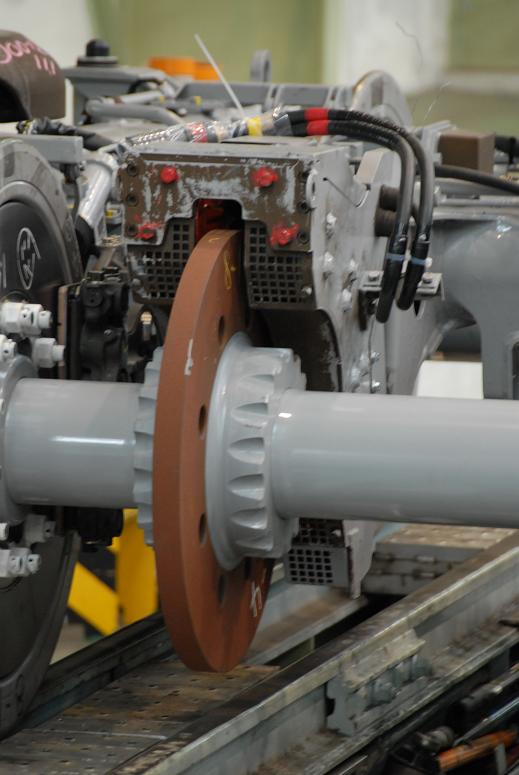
[(159, 718)]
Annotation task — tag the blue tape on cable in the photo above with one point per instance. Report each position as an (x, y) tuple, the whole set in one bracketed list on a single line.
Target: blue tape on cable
[(418, 261), (396, 257)]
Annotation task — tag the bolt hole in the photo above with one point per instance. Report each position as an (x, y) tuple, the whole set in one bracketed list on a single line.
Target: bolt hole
[(131, 200), (303, 207), (202, 419), (222, 589), (202, 529), (221, 329)]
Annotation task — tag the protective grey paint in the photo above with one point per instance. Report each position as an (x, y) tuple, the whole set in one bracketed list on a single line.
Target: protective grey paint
[(71, 443), (396, 458)]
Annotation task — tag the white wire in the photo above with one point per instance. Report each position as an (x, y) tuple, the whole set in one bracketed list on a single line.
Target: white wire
[(220, 75)]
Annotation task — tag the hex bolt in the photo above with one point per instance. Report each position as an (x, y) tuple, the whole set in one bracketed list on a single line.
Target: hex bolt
[(346, 300), (33, 563), (306, 291), (374, 357), (330, 224), (328, 264), (15, 565), (169, 174), (382, 692), (46, 352), (427, 279), (8, 348), (37, 529), (351, 271)]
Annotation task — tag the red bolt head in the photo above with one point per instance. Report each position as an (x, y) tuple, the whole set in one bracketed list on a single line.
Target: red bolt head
[(169, 174), (146, 232), (264, 177), (283, 235)]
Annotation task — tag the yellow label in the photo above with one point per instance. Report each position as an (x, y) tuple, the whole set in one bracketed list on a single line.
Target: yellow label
[(254, 126), (228, 270)]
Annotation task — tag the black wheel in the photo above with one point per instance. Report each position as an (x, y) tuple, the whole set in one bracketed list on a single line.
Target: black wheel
[(38, 254)]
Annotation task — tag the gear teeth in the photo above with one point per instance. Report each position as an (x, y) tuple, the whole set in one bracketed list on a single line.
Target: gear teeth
[(253, 525), (143, 457)]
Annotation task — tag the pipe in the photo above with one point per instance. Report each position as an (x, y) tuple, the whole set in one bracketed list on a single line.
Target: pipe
[(70, 443), (99, 111), (396, 458), (100, 174), (478, 749)]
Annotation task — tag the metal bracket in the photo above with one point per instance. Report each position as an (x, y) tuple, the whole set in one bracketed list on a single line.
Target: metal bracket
[(430, 285), (377, 683)]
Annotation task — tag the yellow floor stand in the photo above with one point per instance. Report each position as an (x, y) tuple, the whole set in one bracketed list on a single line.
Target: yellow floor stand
[(135, 594)]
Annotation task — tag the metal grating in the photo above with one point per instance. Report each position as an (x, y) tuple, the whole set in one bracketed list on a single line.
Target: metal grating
[(319, 554), (325, 532), (310, 566), (159, 269), (275, 279)]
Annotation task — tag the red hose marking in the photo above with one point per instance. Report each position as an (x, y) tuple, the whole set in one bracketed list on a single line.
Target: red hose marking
[(316, 114), (317, 127)]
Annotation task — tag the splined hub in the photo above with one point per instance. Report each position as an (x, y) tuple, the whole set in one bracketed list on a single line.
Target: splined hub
[(241, 515)]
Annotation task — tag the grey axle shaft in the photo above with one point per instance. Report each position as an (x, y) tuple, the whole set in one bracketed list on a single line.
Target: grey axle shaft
[(275, 453)]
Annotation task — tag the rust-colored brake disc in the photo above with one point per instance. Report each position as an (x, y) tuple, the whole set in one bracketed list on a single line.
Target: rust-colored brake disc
[(211, 614)]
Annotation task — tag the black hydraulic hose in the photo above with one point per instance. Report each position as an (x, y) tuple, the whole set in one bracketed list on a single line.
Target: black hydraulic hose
[(46, 126), (475, 176), (398, 241), (424, 160), (420, 248)]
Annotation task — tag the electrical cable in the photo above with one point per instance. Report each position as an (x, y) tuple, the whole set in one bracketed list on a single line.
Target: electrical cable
[(475, 176), (398, 241), (420, 248), (92, 141)]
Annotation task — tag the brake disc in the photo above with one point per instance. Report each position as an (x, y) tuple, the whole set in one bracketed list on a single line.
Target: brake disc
[(38, 254), (211, 613)]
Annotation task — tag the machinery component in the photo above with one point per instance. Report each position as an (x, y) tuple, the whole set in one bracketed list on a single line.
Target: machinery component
[(37, 529), (231, 463), (272, 717), (17, 562), (39, 254), (8, 348), (90, 222), (50, 443), (22, 318), (143, 461), (99, 340), (243, 408), (211, 612), (32, 83)]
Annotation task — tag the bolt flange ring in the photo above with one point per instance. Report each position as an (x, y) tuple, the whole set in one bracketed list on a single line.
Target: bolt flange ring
[(211, 613)]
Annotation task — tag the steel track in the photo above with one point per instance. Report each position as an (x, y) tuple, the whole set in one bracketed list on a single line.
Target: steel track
[(154, 716)]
